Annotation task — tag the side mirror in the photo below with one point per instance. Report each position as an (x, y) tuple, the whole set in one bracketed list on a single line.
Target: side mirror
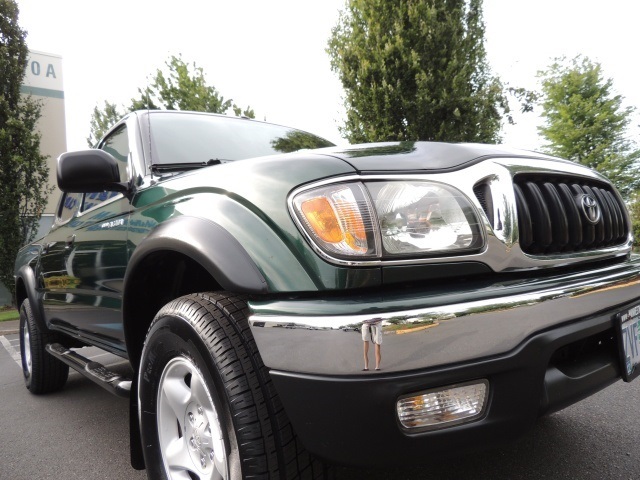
[(89, 171)]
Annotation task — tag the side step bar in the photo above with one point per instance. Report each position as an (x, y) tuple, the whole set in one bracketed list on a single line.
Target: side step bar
[(94, 371)]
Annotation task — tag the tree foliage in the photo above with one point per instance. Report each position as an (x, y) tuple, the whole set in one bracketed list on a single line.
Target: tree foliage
[(586, 123), (103, 120), (179, 86), (23, 170), (417, 70)]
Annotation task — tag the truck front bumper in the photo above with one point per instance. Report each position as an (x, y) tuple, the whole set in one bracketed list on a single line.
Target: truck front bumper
[(541, 343)]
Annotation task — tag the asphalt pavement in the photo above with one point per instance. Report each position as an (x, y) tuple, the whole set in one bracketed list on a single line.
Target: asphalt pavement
[(9, 327), (82, 433)]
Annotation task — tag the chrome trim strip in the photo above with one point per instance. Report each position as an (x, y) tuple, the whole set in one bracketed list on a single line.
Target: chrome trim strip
[(501, 251), (444, 327)]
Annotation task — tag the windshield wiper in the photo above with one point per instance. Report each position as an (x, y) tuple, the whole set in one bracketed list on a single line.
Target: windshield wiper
[(182, 167)]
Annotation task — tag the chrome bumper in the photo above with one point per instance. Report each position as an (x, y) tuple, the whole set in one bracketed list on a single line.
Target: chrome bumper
[(433, 327)]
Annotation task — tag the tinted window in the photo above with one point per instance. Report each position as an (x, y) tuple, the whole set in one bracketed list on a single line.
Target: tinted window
[(117, 144), (189, 138), (96, 198)]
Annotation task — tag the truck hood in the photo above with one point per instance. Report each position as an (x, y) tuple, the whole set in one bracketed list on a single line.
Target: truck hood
[(421, 156)]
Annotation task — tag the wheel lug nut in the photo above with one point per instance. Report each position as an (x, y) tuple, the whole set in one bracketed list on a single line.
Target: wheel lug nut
[(203, 461), (200, 411), (192, 418), (211, 455), (192, 442)]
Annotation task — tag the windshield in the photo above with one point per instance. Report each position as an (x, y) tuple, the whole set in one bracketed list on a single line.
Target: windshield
[(188, 138)]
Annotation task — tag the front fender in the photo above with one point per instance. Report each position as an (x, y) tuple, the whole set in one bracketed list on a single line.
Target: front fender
[(248, 200)]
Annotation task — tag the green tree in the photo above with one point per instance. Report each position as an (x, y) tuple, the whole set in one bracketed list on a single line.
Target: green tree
[(23, 170), (179, 86), (586, 123), (103, 120), (185, 88), (416, 70)]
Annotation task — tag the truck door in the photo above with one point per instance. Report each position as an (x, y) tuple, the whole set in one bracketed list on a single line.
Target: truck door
[(94, 257)]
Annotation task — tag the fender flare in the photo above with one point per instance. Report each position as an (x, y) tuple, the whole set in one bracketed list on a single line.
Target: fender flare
[(210, 245), (28, 278)]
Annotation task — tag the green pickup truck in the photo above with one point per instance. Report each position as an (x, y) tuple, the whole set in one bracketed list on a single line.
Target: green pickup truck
[(286, 304)]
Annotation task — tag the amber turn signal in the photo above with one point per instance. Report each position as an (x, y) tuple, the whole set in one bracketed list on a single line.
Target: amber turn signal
[(322, 219), (338, 218)]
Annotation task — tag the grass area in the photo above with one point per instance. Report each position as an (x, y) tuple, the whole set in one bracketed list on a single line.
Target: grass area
[(8, 314)]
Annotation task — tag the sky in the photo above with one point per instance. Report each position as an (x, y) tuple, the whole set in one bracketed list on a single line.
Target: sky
[(270, 54)]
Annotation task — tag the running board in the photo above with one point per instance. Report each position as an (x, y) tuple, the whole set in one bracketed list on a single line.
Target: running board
[(94, 371)]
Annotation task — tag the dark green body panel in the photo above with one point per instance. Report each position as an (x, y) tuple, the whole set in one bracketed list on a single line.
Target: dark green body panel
[(249, 200), (81, 272)]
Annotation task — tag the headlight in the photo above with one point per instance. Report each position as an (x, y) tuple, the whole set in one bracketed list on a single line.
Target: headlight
[(424, 217), (388, 219)]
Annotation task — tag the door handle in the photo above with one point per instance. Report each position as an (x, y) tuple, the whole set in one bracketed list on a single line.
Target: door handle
[(69, 242)]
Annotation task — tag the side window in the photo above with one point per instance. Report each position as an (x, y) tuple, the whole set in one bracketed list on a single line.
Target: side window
[(117, 144), (68, 206), (95, 198)]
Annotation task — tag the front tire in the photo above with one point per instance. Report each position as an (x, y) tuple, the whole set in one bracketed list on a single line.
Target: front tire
[(42, 372), (207, 406)]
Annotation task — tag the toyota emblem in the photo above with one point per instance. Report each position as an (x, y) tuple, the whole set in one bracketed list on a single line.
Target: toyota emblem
[(590, 208)]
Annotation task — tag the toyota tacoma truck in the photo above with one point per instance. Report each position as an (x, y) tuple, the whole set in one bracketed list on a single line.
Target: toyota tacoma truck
[(285, 303)]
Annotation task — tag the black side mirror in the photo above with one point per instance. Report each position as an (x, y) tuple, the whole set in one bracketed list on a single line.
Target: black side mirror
[(89, 171)]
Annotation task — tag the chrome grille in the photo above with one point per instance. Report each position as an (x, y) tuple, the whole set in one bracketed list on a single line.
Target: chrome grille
[(558, 214)]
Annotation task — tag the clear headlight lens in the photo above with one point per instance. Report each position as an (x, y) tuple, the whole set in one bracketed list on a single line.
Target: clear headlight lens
[(428, 217), (388, 219), (339, 218)]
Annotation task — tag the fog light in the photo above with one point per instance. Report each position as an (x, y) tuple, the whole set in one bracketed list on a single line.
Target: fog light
[(444, 406)]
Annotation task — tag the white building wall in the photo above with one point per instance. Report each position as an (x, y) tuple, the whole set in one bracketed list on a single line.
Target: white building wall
[(43, 81)]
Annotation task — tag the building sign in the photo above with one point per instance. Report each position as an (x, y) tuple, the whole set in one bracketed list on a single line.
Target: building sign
[(43, 75)]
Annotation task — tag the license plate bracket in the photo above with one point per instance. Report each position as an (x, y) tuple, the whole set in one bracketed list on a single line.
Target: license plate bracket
[(627, 326)]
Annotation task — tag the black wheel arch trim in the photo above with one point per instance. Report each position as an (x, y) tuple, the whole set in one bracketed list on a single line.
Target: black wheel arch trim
[(27, 276), (201, 240), (210, 245)]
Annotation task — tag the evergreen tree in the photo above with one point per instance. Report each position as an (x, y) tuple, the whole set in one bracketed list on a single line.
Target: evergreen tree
[(23, 170), (586, 123), (416, 70)]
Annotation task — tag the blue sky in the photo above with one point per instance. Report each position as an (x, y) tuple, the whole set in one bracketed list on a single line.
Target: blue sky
[(271, 54)]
